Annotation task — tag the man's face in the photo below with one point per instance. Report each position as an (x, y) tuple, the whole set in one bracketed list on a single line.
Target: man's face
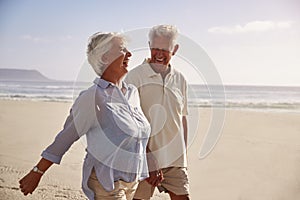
[(161, 52)]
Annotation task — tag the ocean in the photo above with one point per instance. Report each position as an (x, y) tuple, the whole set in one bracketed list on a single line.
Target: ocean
[(229, 96)]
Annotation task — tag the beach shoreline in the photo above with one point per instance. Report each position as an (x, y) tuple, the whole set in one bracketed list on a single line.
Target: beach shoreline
[(256, 157)]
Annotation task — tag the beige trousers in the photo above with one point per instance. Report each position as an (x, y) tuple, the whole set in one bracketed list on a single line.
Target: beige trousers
[(122, 191)]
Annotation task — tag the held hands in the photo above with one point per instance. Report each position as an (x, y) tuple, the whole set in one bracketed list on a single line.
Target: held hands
[(155, 174), (30, 182), (156, 177)]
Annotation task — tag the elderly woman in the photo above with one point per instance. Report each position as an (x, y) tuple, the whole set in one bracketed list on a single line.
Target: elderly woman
[(116, 130)]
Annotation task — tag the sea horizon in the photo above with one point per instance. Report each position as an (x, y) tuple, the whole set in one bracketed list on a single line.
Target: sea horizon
[(258, 97)]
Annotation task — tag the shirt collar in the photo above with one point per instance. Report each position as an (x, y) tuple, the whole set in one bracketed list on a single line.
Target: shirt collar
[(102, 83), (105, 84)]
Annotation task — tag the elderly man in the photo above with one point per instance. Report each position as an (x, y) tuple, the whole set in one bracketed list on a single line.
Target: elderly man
[(163, 94)]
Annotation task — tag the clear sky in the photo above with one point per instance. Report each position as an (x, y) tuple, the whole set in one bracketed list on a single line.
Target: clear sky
[(253, 42)]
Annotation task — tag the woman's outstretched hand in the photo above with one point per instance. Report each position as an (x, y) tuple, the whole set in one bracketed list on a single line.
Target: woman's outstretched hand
[(30, 182)]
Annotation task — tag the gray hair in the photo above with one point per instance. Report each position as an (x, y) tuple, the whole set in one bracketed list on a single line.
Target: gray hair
[(169, 31), (99, 44)]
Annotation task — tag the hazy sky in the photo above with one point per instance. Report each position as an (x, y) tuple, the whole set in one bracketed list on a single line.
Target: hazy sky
[(250, 42)]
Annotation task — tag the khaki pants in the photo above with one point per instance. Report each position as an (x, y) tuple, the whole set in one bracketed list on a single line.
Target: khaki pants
[(122, 191)]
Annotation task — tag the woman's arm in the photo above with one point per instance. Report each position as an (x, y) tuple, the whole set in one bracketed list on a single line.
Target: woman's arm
[(77, 124)]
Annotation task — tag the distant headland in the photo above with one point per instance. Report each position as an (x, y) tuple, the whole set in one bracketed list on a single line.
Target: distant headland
[(21, 75)]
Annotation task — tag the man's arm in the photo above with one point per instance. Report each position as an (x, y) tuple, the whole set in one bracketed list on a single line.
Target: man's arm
[(185, 130)]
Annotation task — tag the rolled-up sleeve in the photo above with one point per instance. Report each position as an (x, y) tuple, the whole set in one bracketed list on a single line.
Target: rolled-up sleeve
[(78, 123)]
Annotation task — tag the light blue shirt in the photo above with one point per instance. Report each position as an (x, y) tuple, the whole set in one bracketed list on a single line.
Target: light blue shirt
[(116, 132)]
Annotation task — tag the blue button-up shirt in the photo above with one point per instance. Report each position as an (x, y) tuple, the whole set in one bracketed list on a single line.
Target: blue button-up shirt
[(116, 133)]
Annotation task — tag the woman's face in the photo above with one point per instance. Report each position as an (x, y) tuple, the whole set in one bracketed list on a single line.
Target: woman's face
[(118, 57)]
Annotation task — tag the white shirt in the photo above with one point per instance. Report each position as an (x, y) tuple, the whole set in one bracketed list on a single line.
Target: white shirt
[(164, 102)]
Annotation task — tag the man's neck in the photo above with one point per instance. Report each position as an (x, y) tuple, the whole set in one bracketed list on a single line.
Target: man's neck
[(163, 72)]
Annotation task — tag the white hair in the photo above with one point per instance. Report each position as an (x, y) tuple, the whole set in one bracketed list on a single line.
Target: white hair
[(169, 31), (99, 44)]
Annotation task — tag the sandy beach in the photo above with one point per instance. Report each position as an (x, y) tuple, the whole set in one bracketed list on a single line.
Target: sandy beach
[(257, 156)]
